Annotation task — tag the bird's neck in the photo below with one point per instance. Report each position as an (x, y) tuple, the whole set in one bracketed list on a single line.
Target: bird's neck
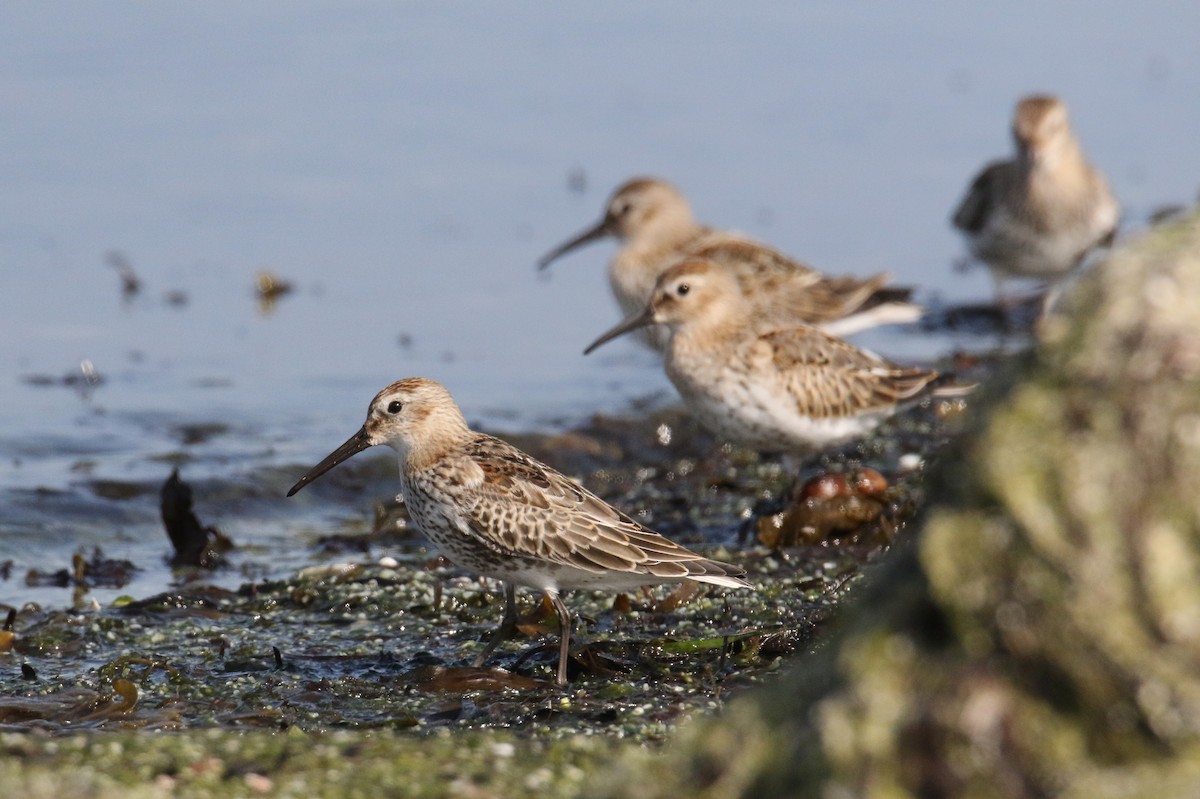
[(1058, 159), (1061, 182), (438, 438), (708, 332), (667, 230)]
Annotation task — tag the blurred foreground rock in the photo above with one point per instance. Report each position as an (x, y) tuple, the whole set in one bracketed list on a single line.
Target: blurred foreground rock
[(1040, 636)]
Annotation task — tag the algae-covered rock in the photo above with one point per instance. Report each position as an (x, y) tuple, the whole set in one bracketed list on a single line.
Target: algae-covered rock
[(1040, 636)]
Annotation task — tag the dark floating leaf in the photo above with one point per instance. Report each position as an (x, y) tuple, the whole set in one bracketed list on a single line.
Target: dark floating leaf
[(85, 572), (118, 489), (40, 579), (101, 571), (195, 544), (130, 283), (460, 680), (200, 432)]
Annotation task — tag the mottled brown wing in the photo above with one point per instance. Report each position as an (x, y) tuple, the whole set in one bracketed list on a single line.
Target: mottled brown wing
[(829, 377), (525, 507), (757, 266), (972, 213), (829, 298), (783, 284)]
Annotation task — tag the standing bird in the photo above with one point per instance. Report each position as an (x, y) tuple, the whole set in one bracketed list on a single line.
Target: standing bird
[(1039, 214), (762, 384), (494, 510), (654, 223)]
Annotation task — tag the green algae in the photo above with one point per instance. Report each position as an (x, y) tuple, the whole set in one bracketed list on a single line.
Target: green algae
[(212, 763)]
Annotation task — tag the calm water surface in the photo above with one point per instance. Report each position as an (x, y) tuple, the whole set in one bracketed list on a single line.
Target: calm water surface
[(404, 166)]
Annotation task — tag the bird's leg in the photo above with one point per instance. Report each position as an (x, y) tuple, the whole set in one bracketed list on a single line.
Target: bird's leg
[(1050, 299), (1003, 301), (508, 625), (564, 631)]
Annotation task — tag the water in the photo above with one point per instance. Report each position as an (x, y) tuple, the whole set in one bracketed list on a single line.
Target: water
[(404, 166)]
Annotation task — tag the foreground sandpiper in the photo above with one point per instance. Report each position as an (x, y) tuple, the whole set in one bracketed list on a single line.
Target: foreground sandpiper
[(494, 510), (764, 385), (654, 222), (1040, 213)]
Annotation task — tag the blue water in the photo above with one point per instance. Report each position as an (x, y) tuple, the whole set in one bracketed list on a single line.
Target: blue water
[(405, 164)]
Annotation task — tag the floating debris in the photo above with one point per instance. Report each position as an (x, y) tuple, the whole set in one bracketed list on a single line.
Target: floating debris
[(101, 571), (84, 380), (1167, 213), (199, 432), (269, 288), (195, 544), (827, 505), (577, 180), (460, 680), (130, 283), (40, 579), (85, 573)]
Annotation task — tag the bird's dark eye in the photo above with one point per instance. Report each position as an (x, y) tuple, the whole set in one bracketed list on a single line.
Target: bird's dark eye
[(682, 289), (623, 209), (394, 407)]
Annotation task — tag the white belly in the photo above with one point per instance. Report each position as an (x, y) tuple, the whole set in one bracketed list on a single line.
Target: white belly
[(759, 413)]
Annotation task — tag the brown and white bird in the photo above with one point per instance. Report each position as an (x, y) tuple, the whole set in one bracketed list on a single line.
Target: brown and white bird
[(655, 226), (761, 384), (496, 511), (1038, 214)]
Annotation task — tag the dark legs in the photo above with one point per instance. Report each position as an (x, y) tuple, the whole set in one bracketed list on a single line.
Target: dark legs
[(507, 627), (564, 631)]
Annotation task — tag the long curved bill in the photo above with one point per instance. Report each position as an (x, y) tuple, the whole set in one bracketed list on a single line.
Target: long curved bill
[(591, 234), (640, 319), (354, 445)]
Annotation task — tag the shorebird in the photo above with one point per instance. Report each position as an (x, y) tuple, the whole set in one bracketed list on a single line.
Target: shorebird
[(762, 384), (654, 222), (494, 510), (1039, 214)]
